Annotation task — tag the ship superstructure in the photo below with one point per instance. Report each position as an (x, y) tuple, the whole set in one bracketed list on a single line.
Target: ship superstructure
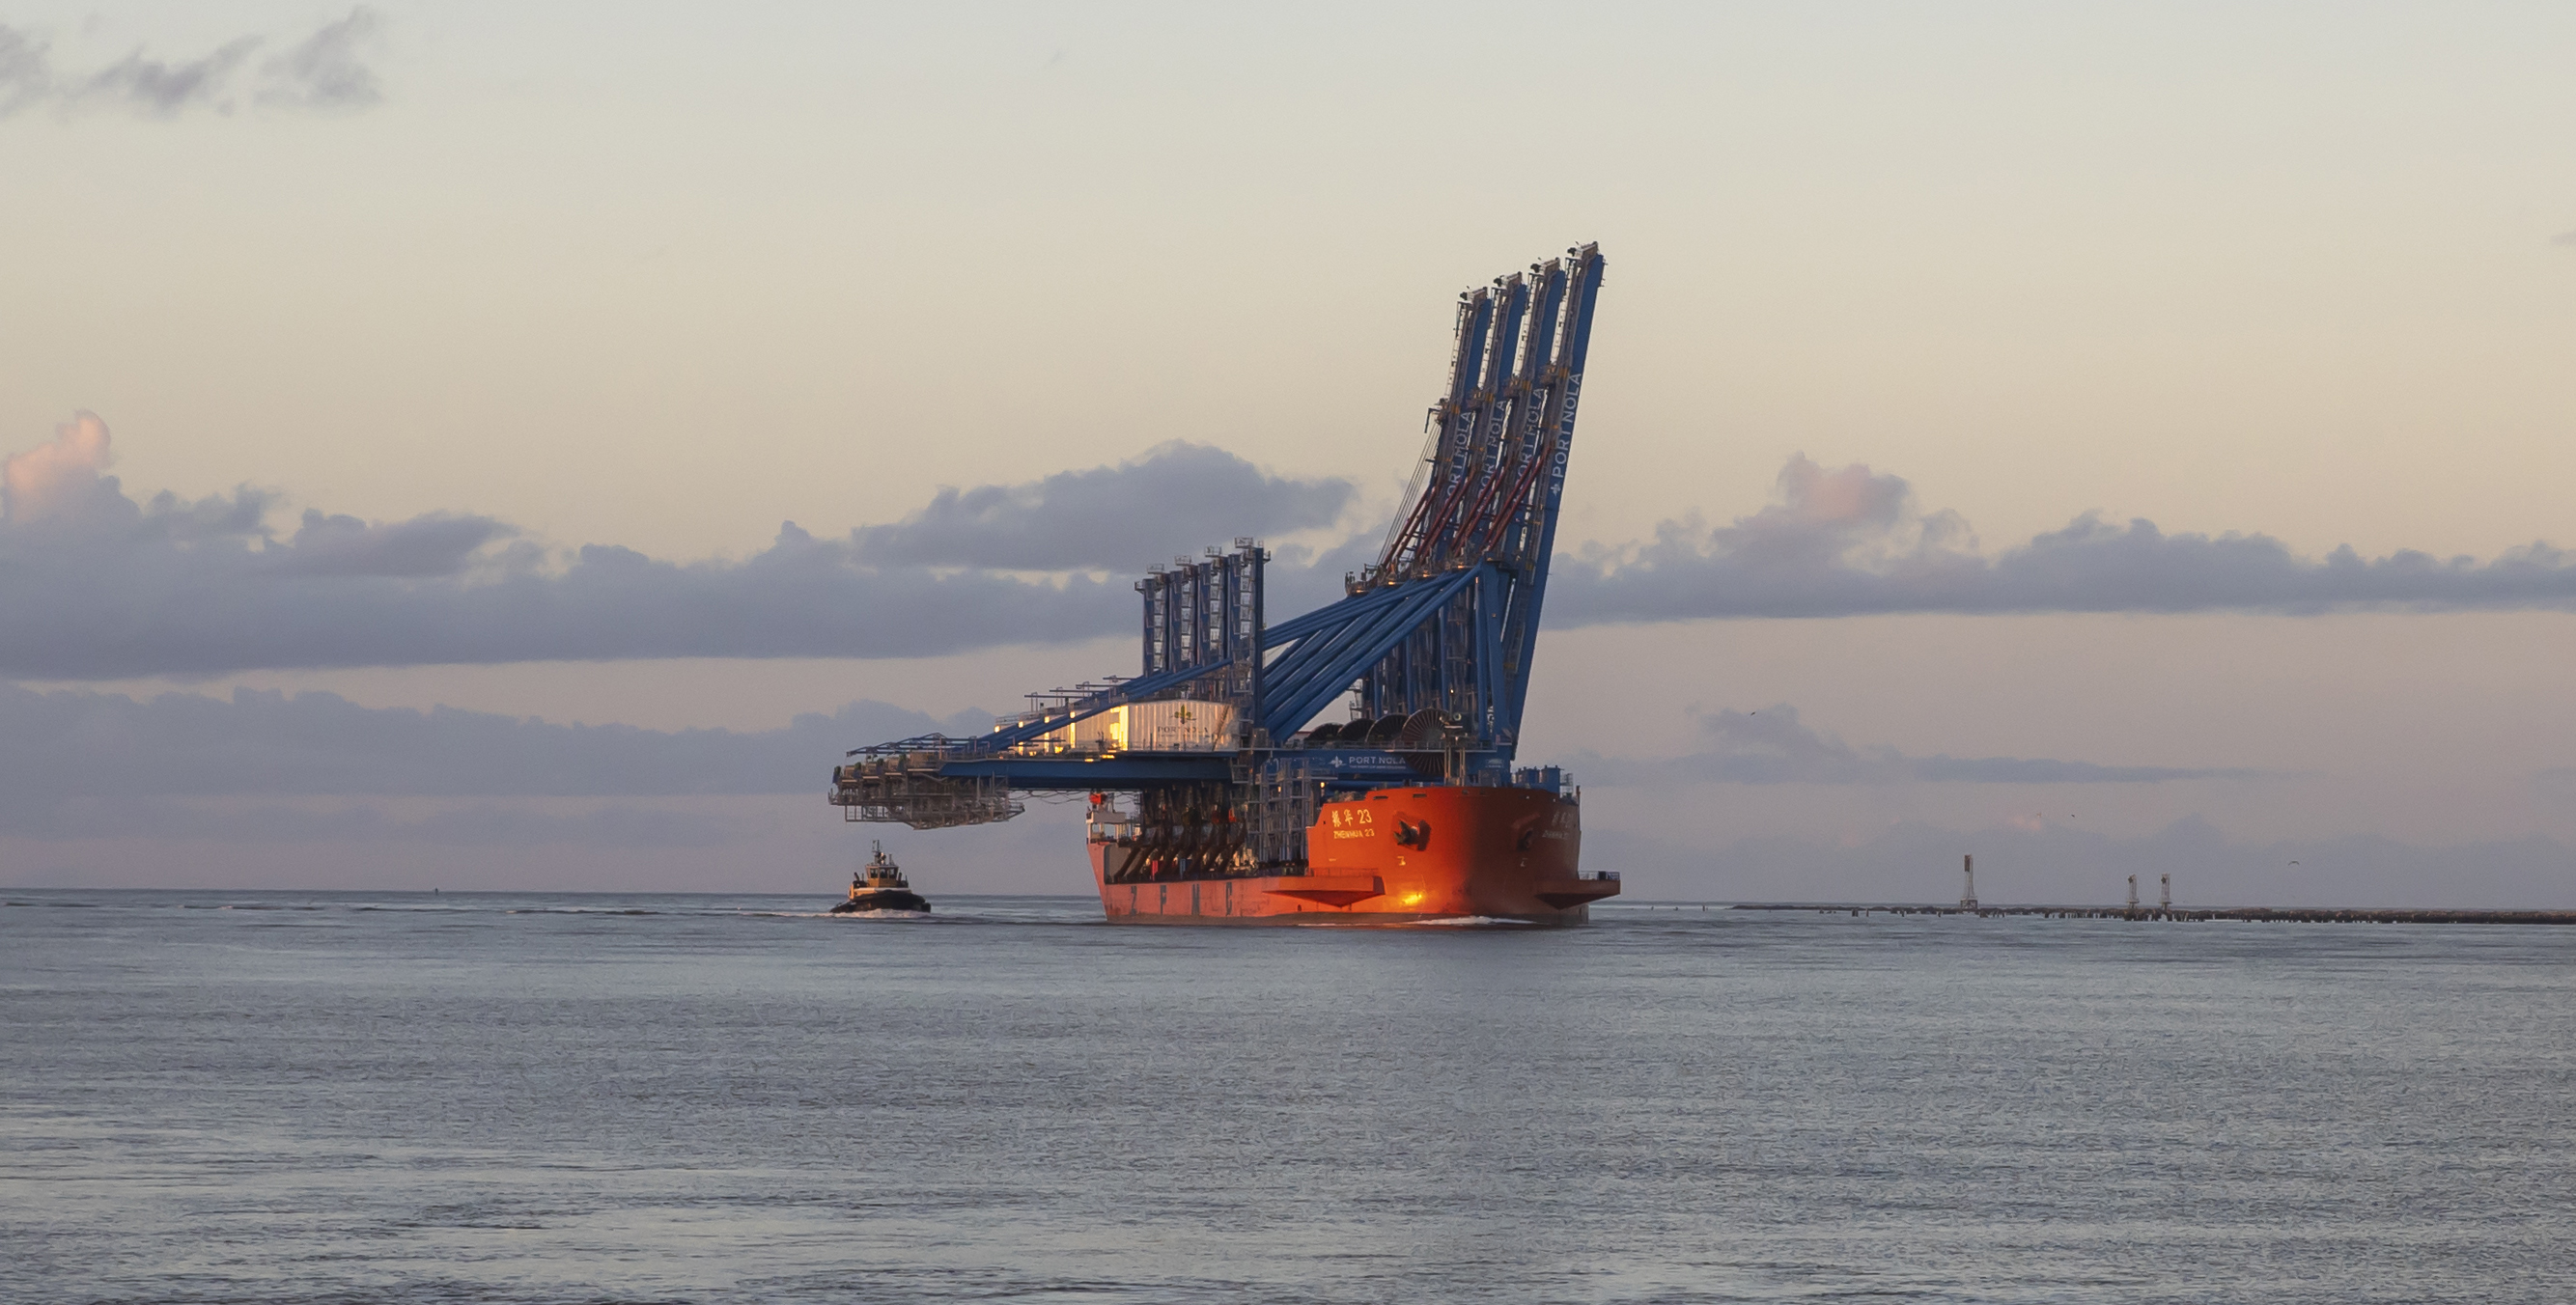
[(1216, 792)]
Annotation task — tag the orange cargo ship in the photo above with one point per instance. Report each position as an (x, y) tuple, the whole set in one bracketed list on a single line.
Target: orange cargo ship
[(1217, 798), (1392, 856)]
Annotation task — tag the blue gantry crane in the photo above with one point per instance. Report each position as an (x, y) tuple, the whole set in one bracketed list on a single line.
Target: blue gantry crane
[(1433, 642)]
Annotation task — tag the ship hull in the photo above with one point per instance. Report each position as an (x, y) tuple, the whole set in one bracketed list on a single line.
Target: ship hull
[(882, 899), (1504, 856)]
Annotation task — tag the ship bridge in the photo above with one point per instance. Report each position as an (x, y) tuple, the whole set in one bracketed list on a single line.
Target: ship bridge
[(1216, 743)]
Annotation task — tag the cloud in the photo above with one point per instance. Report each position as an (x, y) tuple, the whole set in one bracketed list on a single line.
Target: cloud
[(1772, 746), (83, 764), (26, 75), (1122, 518), (500, 823), (61, 479), (1852, 542), (267, 767), (322, 72), (159, 89), (433, 545), (97, 586)]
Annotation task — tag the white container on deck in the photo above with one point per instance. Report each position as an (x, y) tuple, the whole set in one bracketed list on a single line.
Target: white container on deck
[(1174, 726), (1178, 725)]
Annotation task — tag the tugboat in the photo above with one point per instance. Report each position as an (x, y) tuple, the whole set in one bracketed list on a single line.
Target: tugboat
[(881, 887)]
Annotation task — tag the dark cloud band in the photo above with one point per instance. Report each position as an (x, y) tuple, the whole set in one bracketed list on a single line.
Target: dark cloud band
[(1852, 543), (66, 745), (94, 585), (1772, 746)]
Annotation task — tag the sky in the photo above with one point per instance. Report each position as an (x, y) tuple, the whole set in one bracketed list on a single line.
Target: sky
[(480, 445)]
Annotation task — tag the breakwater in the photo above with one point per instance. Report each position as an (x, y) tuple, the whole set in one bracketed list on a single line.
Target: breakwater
[(2256, 914)]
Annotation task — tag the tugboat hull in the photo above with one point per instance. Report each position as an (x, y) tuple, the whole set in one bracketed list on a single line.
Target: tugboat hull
[(883, 900)]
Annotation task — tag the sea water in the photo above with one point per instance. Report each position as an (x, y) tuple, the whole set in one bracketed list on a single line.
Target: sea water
[(468, 1097)]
